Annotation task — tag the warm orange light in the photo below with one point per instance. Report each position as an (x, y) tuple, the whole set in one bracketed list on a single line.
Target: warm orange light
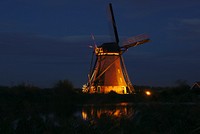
[(84, 115), (117, 113), (148, 93)]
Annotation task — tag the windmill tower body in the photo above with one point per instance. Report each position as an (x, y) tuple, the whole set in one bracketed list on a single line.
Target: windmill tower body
[(109, 72)]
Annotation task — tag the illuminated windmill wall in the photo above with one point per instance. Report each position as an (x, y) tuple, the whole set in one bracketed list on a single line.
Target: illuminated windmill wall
[(109, 71)]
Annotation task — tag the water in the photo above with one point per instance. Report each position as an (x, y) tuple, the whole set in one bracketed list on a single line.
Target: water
[(119, 118), (115, 111), (139, 118), (104, 118)]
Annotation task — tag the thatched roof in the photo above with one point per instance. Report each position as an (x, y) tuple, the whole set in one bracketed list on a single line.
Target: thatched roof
[(110, 47), (196, 85)]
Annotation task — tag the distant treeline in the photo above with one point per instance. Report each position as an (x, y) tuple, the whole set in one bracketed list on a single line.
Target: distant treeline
[(64, 92)]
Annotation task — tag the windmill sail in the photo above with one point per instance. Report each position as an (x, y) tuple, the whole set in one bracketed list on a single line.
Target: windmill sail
[(135, 41), (114, 24)]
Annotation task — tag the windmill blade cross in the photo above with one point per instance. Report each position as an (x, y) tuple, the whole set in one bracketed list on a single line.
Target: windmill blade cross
[(135, 41)]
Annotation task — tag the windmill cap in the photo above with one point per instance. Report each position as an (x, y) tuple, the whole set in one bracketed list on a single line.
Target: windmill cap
[(110, 47)]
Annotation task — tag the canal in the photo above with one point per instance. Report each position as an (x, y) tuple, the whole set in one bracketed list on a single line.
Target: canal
[(119, 118)]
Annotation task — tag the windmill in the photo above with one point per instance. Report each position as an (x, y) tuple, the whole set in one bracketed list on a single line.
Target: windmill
[(109, 72)]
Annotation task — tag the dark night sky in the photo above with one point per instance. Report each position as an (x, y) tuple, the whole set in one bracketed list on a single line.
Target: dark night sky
[(43, 41)]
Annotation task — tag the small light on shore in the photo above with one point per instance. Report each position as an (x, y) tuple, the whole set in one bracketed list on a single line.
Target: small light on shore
[(148, 93)]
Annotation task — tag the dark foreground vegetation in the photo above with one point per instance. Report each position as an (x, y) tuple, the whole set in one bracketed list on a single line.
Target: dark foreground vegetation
[(26, 109)]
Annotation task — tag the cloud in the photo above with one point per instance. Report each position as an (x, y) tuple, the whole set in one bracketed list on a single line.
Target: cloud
[(86, 38), (37, 57), (185, 30), (30, 47), (21, 48), (191, 22)]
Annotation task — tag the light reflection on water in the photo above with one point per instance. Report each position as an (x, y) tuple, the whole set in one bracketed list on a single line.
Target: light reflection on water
[(105, 118), (112, 111)]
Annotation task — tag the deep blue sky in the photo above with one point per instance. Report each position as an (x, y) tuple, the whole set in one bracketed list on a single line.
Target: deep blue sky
[(43, 41)]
